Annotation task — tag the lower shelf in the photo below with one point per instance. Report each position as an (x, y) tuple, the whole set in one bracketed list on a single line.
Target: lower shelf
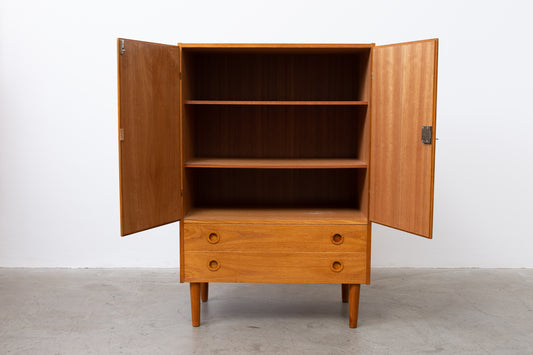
[(277, 215), (295, 267), (275, 163)]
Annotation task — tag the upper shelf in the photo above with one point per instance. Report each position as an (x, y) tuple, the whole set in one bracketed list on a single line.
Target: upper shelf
[(275, 163), (287, 103)]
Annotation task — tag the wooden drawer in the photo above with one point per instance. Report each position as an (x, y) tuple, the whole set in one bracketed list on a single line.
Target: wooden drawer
[(275, 238), (299, 267)]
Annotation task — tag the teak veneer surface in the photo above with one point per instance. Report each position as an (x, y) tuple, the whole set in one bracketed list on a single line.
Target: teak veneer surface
[(275, 163), (404, 99), (279, 103), (149, 148), (309, 216), (276, 157), (276, 76), (275, 237), (291, 47), (277, 188), (281, 267), (272, 132)]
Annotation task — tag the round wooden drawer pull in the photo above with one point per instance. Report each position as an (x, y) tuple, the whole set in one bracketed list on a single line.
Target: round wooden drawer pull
[(213, 238), (213, 265), (337, 239), (337, 266)]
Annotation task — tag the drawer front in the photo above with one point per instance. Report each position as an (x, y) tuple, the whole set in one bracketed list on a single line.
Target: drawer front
[(275, 238), (326, 267)]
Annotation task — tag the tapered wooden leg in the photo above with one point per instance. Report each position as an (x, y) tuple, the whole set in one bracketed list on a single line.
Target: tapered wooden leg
[(204, 291), (353, 294), (344, 288), (195, 304)]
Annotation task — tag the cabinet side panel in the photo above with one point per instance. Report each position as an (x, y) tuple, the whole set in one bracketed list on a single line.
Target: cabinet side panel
[(185, 142), (149, 145), (403, 101)]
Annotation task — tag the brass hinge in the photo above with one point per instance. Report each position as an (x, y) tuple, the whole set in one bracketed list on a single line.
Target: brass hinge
[(427, 134), (181, 192), (180, 75), (121, 134), (122, 48)]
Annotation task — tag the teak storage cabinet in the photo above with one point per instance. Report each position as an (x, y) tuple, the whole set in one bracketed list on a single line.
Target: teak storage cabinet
[(276, 157)]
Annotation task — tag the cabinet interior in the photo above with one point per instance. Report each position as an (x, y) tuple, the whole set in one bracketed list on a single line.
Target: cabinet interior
[(276, 74), (239, 131), (271, 128), (271, 188)]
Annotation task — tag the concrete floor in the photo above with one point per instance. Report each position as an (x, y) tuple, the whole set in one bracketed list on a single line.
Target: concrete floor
[(146, 311)]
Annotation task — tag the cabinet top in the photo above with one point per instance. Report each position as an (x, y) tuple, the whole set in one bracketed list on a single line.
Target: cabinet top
[(277, 45), (306, 47)]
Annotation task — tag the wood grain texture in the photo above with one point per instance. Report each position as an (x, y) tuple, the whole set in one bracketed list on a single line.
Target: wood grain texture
[(403, 100), (276, 75), (277, 131), (368, 251), (310, 216), (150, 151), (363, 136), (275, 163), (278, 103), (277, 188), (275, 238), (275, 267), (182, 254), (275, 156), (305, 47), (185, 200)]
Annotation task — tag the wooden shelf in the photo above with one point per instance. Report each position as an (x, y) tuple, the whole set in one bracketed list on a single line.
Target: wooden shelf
[(278, 103), (276, 215), (276, 163)]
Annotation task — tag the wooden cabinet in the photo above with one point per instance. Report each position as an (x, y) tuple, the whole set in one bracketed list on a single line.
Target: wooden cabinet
[(277, 157)]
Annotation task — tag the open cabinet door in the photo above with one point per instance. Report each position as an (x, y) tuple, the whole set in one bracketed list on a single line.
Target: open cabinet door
[(149, 135), (404, 90)]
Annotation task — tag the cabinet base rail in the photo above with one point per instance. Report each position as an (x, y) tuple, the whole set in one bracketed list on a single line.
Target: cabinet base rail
[(350, 294)]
